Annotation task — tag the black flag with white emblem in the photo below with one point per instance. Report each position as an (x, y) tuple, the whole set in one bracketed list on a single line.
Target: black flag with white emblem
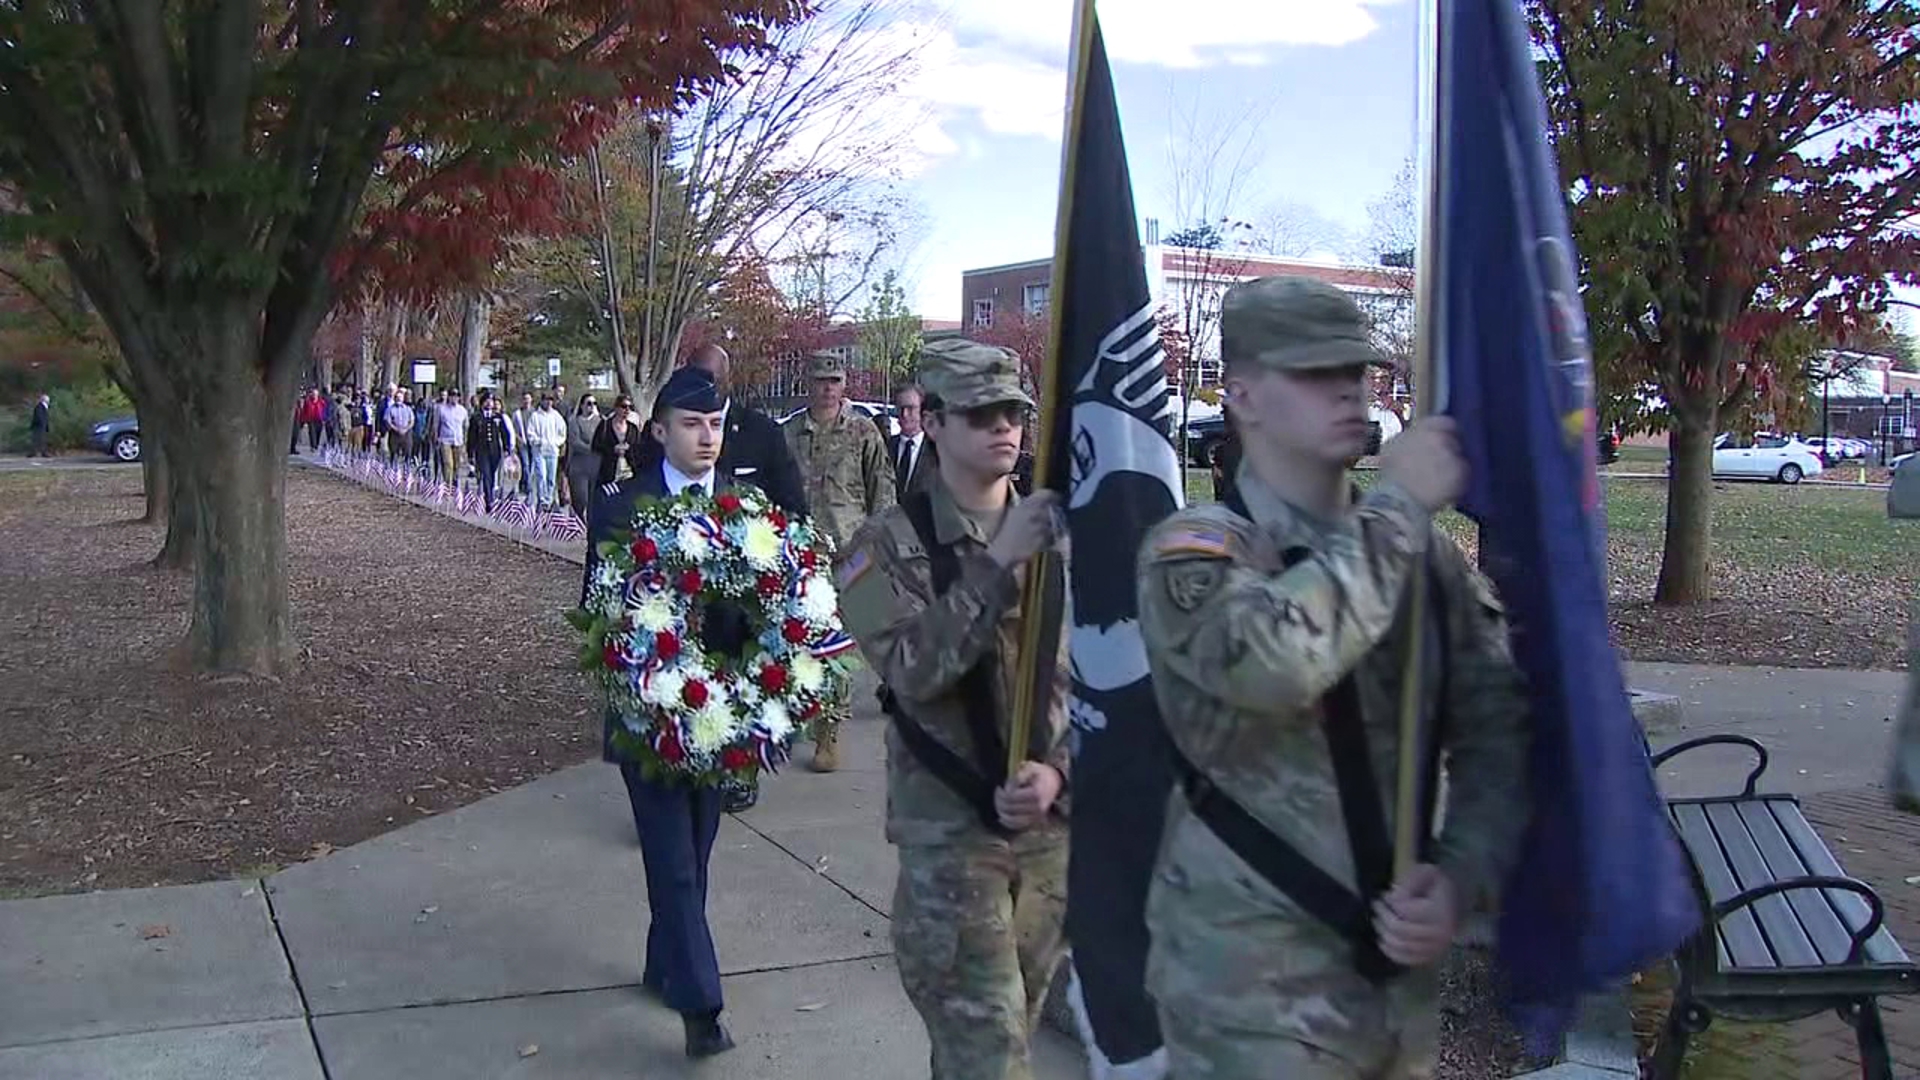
[(1110, 455)]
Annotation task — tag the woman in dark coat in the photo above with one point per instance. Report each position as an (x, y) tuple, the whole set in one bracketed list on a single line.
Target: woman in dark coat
[(581, 462), (619, 442)]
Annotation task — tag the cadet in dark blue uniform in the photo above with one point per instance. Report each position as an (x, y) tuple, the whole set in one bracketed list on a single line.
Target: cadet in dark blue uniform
[(676, 822)]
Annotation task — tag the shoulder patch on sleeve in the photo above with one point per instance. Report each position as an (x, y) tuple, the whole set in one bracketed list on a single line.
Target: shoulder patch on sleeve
[(1195, 539), (856, 567)]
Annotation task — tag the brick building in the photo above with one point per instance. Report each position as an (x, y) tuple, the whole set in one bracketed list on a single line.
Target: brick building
[(1186, 279)]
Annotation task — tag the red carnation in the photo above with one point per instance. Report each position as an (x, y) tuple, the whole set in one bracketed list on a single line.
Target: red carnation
[(644, 550), (694, 693), (778, 519), (794, 631), (769, 585), (671, 751), (808, 559), (666, 645), (736, 758), (773, 678), (612, 656), (689, 581), (811, 710), (728, 503)]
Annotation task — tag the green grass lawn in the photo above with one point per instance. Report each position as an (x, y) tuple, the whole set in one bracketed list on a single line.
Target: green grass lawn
[(1773, 527)]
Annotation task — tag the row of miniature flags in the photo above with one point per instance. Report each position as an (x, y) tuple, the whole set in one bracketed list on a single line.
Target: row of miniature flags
[(415, 480)]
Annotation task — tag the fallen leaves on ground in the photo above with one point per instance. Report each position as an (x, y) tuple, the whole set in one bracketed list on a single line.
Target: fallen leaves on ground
[(436, 669)]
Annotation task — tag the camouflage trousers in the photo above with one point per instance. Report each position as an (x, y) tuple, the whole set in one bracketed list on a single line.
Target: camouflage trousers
[(977, 935), (1905, 779), (1203, 1045)]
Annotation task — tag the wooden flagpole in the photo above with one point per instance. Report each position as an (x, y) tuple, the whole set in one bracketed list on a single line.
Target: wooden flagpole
[(1027, 696), (1429, 399)]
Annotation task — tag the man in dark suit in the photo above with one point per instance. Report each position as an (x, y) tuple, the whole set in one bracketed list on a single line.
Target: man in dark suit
[(915, 462), (676, 821), (41, 424), (755, 452)]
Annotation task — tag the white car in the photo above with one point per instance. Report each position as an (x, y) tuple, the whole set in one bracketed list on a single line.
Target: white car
[(1768, 457)]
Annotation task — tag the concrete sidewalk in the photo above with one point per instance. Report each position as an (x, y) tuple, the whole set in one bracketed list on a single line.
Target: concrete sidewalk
[(499, 940)]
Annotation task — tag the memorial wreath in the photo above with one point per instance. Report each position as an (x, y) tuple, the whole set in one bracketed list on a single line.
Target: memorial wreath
[(684, 712)]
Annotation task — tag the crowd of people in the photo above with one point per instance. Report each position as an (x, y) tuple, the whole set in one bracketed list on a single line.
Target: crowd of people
[(551, 458)]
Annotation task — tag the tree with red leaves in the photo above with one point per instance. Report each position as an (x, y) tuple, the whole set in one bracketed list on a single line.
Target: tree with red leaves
[(208, 173), (1737, 168), (1028, 334)]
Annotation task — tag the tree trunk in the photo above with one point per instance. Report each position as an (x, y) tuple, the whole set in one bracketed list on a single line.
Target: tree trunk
[(234, 478), (475, 325), (178, 550), (363, 356), (399, 325), (1683, 562), (153, 468)]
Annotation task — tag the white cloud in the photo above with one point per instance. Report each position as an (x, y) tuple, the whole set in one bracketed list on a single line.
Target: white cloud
[(1002, 63), (1190, 33)]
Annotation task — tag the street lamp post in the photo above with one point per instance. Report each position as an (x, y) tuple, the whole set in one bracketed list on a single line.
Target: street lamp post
[(1886, 411)]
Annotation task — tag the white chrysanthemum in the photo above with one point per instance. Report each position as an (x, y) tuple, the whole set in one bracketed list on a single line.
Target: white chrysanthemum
[(664, 688), (808, 672), (818, 601), (654, 614), (692, 542), (774, 717), (749, 694), (712, 726), (761, 544), (612, 604)]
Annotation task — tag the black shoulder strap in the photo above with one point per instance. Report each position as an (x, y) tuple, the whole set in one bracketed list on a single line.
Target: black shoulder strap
[(974, 783), (1369, 840)]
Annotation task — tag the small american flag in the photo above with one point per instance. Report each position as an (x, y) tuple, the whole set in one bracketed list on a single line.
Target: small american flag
[(470, 501), (562, 525), (514, 513)]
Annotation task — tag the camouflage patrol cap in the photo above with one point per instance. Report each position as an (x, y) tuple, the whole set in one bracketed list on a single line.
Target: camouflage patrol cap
[(1293, 324), (826, 365), (967, 375)]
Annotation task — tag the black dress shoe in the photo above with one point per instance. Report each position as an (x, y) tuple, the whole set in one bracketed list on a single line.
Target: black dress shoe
[(705, 1034), (737, 797)]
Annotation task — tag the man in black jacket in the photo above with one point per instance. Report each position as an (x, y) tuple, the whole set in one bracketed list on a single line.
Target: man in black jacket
[(753, 452), (43, 422)]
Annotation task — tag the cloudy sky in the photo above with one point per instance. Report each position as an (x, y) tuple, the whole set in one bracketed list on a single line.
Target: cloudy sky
[(1325, 87)]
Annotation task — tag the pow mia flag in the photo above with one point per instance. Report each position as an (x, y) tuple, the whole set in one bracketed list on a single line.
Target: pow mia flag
[(1110, 455)]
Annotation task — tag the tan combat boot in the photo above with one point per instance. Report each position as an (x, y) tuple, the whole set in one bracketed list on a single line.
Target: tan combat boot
[(826, 748)]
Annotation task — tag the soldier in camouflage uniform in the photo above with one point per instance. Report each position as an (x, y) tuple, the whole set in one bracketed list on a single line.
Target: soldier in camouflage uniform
[(1905, 781), (981, 897), (1267, 620), (849, 477)]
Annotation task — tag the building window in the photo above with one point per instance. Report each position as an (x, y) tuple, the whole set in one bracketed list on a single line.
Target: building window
[(1034, 297), (983, 313)]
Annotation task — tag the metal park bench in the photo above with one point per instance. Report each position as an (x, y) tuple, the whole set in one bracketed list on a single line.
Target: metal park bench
[(1787, 934)]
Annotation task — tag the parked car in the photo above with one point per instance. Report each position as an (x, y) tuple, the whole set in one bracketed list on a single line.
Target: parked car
[(119, 436), (1205, 434), (1768, 457), (1837, 448)]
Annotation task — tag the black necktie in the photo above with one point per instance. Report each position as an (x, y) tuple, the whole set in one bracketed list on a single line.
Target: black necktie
[(906, 456), (699, 490)]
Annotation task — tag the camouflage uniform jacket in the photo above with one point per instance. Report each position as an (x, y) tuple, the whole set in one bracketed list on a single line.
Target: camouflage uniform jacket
[(1242, 652), (920, 645), (849, 476)]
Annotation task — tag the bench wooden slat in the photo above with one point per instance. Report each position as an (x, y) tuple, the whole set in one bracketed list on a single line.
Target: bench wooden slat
[(1852, 910), (1788, 941), (1810, 909), (1739, 934)]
